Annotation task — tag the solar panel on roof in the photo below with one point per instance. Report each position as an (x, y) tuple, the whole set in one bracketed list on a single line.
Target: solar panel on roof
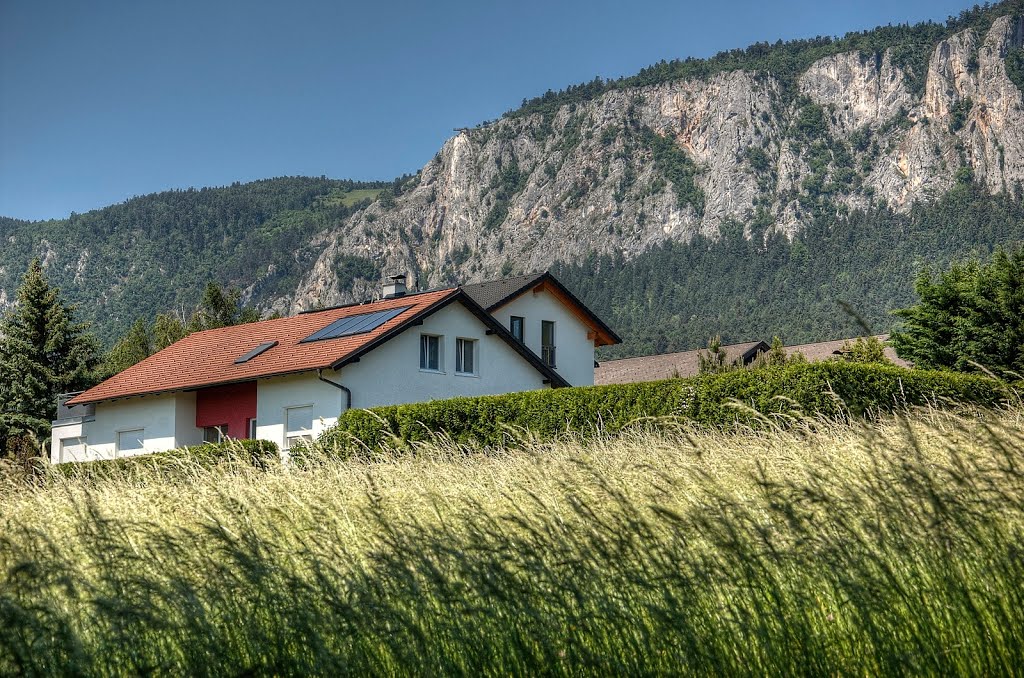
[(355, 324), (255, 352)]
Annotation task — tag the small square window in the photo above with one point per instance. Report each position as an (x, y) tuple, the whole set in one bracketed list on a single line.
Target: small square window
[(299, 425), (430, 352), (130, 441), (72, 449), (465, 356)]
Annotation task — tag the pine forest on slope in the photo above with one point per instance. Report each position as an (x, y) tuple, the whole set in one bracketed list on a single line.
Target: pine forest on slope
[(746, 195)]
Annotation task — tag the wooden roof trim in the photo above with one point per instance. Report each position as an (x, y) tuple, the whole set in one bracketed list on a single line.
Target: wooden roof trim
[(601, 337)]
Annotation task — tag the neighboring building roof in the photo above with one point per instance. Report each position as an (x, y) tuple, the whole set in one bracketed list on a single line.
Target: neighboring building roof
[(668, 365), (211, 357), (496, 293), (686, 364), (824, 350)]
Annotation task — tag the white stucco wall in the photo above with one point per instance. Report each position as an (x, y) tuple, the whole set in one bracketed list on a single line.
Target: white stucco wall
[(65, 433), (185, 430), (275, 395), (167, 421), (391, 374), (574, 353)]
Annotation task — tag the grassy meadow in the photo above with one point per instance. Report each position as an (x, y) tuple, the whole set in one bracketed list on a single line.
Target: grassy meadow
[(887, 548)]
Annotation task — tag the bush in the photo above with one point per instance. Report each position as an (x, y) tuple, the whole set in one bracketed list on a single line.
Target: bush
[(256, 453), (835, 390)]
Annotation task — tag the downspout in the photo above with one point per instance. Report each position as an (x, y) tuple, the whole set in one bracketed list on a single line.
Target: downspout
[(348, 392)]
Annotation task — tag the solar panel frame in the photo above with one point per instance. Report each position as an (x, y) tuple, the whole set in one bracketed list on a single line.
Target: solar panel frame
[(262, 348), (355, 324)]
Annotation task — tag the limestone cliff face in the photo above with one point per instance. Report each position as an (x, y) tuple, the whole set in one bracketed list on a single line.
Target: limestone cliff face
[(523, 192)]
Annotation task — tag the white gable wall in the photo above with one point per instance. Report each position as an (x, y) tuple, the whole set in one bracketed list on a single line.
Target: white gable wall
[(574, 353), (390, 374)]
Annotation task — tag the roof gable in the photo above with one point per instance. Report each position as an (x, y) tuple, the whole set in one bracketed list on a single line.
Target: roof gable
[(494, 294)]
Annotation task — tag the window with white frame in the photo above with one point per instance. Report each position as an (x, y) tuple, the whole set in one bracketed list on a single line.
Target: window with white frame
[(516, 325), (215, 434), (252, 429), (547, 342), (130, 442), (430, 352), (298, 425), (465, 356), (72, 449)]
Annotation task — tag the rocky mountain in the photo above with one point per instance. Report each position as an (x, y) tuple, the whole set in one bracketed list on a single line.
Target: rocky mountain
[(743, 195), (633, 166)]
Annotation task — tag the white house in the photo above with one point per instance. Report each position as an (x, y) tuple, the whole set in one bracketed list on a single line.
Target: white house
[(288, 379)]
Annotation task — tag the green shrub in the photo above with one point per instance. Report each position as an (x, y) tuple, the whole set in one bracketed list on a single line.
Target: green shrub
[(835, 390), (257, 453)]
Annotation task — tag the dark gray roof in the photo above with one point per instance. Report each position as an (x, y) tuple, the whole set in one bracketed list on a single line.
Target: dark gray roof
[(826, 350), (668, 365), (491, 293)]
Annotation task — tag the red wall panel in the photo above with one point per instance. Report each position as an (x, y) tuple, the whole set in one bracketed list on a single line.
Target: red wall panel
[(234, 405)]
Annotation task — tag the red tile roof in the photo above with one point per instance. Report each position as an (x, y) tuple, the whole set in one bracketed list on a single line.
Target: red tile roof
[(208, 358)]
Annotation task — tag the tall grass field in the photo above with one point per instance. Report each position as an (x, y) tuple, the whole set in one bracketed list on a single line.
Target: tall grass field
[(889, 548)]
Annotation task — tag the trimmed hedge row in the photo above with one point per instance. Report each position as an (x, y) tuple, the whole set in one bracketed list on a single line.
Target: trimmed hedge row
[(258, 453), (836, 390)]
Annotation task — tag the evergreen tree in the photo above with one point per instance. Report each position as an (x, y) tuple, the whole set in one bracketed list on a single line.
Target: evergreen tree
[(715, 359), (864, 350), (970, 316), (133, 347), (43, 352), (219, 308)]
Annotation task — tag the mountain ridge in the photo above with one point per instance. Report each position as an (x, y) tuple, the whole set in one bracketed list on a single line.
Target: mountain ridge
[(773, 142)]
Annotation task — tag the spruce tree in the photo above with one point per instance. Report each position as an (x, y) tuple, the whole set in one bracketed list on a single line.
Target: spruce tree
[(970, 317), (43, 352), (133, 347)]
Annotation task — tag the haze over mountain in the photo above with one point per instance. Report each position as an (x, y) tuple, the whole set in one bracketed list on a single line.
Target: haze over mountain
[(744, 195)]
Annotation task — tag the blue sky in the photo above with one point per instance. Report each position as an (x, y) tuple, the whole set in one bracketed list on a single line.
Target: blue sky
[(100, 101)]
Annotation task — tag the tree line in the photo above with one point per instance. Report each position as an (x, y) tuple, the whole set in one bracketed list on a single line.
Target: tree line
[(45, 350), (754, 285), (158, 251), (910, 46)]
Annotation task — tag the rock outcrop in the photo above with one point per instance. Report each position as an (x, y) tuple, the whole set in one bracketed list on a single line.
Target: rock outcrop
[(518, 194)]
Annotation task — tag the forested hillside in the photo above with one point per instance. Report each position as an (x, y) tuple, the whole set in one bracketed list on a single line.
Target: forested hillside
[(676, 296), (157, 252), (743, 195)]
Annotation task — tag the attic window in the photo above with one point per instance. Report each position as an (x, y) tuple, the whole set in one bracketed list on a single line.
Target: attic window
[(355, 324), (265, 346)]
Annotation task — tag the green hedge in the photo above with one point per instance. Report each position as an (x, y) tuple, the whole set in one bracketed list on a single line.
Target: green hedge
[(835, 390), (258, 453)]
